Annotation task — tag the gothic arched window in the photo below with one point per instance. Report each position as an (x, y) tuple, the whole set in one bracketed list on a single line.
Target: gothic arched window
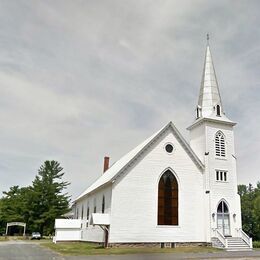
[(223, 221), (220, 146), (168, 200)]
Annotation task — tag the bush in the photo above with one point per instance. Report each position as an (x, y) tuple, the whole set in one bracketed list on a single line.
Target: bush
[(256, 244)]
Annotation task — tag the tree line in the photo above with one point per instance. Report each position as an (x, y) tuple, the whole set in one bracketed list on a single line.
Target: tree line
[(39, 204)]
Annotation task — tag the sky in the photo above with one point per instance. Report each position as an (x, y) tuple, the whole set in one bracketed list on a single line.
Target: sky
[(80, 80)]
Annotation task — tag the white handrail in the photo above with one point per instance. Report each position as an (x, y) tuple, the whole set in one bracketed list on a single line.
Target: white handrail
[(245, 237), (220, 237)]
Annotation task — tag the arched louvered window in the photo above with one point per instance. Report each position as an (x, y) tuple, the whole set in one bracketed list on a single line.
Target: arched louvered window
[(220, 146), (168, 200)]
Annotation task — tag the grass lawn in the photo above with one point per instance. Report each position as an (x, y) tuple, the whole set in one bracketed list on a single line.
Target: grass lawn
[(82, 248), (2, 238)]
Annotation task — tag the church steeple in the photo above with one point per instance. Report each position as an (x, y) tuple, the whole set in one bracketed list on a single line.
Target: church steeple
[(209, 103), (209, 107)]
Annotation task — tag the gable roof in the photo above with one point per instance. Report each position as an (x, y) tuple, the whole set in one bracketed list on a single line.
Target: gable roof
[(119, 166)]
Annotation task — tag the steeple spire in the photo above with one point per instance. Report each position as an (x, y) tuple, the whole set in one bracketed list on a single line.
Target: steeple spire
[(209, 106), (209, 98)]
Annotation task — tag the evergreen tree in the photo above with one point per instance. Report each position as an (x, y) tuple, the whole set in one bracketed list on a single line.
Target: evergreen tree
[(48, 200)]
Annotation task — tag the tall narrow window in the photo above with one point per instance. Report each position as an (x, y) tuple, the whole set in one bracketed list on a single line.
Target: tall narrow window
[(225, 176), (95, 205), (168, 200), (223, 221), (82, 211), (220, 146), (218, 110), (103, 204), (217, 175), (88, 213), (198, 112)]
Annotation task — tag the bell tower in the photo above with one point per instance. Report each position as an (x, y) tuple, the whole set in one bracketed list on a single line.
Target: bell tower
[(209, 108), (212, 139)]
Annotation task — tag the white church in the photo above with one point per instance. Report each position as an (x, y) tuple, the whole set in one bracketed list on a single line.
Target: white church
[(168, 192)]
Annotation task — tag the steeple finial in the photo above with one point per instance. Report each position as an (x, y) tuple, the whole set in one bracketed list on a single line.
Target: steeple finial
[(208, 38)]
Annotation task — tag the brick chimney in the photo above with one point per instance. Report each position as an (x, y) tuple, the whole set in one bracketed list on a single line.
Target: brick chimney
[(106, 163)]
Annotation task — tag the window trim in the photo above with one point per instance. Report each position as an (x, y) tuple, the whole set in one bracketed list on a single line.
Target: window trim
[(158, 205), (220, 145), (173, 148), (221, 175)]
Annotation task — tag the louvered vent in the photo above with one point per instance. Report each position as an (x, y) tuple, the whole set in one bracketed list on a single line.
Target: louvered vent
[(220, 144)]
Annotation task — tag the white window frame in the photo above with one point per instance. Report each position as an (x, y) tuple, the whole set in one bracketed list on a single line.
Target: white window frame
[(221, 175), (220, 145)]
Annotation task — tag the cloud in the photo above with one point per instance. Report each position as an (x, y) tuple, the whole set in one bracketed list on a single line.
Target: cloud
[(84, 79)]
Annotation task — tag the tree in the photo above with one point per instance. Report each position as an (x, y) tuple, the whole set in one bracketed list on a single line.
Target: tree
[(37, 205), (48, 200), (250, 207), (13, 206), (256, 217)]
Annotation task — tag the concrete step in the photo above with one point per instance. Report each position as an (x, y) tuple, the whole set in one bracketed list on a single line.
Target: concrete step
[(233, 244)]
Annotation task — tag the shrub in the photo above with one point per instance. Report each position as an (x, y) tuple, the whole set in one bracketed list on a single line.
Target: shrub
[(256, 244)]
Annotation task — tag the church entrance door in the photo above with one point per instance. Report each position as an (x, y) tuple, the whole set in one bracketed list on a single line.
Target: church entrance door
[(223, 219)]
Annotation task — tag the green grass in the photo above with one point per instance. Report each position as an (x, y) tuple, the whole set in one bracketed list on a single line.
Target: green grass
[(83, 248), (256, 244)]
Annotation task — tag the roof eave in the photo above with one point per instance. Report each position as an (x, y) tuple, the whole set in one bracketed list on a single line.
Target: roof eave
[(92, 191), (206, 119)]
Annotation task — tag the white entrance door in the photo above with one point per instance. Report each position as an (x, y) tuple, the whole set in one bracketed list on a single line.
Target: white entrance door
[(223, 219)]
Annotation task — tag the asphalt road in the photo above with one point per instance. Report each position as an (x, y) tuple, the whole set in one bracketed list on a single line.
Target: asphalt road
[(27, 250), (24, 250), (251, 255)]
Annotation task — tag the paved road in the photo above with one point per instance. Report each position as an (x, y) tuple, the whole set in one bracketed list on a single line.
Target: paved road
[(25, 250), (252, 255)]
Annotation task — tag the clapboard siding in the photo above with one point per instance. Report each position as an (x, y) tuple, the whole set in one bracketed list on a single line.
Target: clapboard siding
[(134, 202), (90, 232)]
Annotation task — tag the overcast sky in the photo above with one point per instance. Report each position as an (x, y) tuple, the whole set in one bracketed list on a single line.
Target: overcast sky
[(83, 79)]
